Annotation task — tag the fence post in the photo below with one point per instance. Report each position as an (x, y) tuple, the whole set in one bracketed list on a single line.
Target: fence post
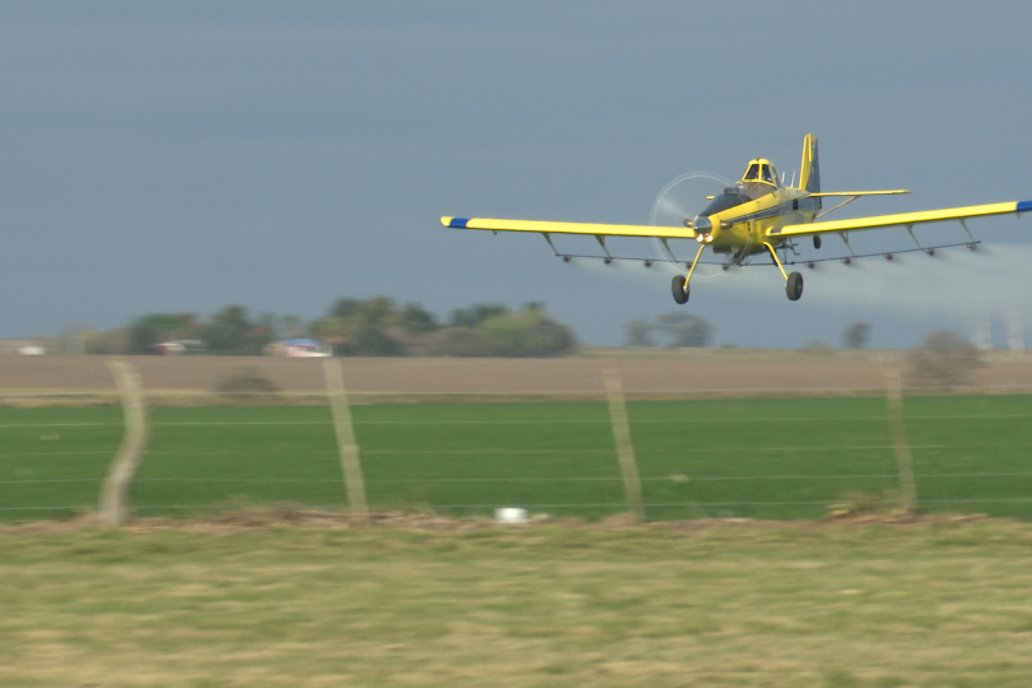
[(347, 446), (114, 496), (904, 460), (622, 440)]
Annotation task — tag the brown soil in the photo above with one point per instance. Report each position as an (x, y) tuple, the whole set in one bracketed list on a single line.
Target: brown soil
[(681, 373)]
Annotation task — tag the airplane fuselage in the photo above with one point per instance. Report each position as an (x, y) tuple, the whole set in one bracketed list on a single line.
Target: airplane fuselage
[(738, 220)]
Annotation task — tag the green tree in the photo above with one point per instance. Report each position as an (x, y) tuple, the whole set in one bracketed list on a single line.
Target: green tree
[(146, 332), (290, 326), (528, 332), (414, 320), (685, 329), (475, 315), (857, 335), (944, 359), (364, 328), (372, 340), (455, 341), (638, 333), (232, 332), (379, 327), (345, 308)]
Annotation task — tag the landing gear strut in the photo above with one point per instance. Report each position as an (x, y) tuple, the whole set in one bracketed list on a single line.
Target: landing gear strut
[(679, 286), (793, 281)]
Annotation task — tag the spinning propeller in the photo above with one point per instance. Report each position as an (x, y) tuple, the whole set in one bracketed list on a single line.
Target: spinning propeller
[(679, 203)]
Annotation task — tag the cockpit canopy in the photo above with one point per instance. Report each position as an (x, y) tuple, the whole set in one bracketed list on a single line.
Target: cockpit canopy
[(732, 197), (760, 171)]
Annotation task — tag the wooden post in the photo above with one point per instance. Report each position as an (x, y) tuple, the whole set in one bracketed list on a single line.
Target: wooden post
[(114, 496), (622, 440), (347, 446), (904, 460)]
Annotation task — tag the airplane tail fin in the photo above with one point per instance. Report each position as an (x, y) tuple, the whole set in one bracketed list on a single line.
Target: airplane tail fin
[(809, 169)]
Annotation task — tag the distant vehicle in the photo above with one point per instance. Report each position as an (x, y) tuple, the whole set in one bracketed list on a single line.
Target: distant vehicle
[(32, 350), (299, 348), (759, 215), (178, 347)]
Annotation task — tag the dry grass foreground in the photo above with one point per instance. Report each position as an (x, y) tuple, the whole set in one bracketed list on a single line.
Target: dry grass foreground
[(239, 601)]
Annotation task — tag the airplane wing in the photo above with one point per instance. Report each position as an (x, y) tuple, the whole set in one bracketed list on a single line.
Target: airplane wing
[(547, 227), (914, 218)]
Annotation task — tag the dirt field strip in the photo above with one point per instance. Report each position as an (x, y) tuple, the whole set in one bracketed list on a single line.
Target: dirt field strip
[(706, 372)]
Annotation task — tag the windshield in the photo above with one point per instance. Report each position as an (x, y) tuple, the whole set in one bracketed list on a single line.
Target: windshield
[(761, 171), (729, 199)]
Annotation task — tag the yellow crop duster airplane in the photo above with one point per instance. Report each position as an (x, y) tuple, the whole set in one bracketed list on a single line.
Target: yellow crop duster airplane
[(759, 214)]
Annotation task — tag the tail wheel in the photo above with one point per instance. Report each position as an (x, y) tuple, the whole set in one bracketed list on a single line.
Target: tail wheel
[(680, 290), (794, 286)]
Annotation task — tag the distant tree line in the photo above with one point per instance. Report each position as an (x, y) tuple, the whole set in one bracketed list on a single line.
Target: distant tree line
[(688, 330), (672, 329), (352, 327)]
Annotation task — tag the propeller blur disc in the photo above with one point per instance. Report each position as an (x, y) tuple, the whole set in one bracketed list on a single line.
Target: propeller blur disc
[(682, 199)]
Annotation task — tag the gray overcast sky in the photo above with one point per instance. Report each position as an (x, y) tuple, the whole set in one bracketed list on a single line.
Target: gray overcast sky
[(183, 156)]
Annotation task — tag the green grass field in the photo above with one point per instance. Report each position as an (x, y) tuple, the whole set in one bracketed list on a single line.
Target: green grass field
[(776, 605), (758, 458)]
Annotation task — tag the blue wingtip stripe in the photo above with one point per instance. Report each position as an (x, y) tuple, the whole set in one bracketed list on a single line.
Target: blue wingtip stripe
[(1024, 206), (458, 222)]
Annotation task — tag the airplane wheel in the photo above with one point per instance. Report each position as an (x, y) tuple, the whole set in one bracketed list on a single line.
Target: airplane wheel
[(794, 287), (680, 290)]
